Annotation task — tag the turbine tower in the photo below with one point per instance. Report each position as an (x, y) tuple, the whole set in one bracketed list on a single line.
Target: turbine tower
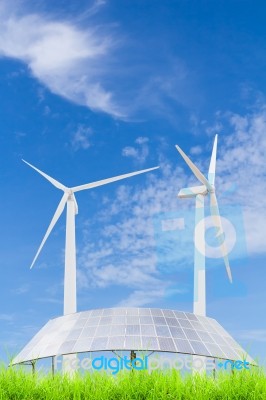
[(70, 297), (200, 192)]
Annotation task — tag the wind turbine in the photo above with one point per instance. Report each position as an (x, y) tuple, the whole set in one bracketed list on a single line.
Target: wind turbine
[(68, 198), (199, 192)]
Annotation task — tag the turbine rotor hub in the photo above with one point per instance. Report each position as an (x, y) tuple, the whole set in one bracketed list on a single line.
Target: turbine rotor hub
[(70, 193)]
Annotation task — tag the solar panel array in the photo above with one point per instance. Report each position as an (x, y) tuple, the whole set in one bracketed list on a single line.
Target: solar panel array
[(152, 329)]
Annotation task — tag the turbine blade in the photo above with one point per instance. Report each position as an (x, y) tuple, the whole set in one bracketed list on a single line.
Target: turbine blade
[(194, 169), (52, 180), (212, 167), (220, 233), (109, 180), (76, 204), (57, 214)]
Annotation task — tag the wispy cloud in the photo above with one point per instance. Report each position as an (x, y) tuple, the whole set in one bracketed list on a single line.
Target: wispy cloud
[(257, 335), (81, 138), (126, 253), (242, 162), (96, 6), (22, 289), (139, 152), (196, 150), (7, 317), (63, 56)]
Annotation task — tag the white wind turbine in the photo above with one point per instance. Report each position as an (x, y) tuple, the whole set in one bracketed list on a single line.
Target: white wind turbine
[(70, 302), (199, 192)]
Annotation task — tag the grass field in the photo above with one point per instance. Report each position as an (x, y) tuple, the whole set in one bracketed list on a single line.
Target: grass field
[(244, 385)]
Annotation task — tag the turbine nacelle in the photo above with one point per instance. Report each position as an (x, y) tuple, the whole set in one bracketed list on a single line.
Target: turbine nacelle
[(192, 191)]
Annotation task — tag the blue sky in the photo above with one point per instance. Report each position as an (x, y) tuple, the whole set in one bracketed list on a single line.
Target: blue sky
[(91, 90)]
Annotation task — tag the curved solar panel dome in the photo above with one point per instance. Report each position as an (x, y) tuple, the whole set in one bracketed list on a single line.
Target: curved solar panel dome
[(151, 329)]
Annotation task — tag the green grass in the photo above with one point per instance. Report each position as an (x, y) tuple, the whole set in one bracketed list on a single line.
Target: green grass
[(20, 385)]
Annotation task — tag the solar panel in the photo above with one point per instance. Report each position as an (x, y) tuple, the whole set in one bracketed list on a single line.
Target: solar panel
[(116, 343), (191, 334), (106, 320), (84, 314), (103, 330), (168, 313), (82, 345), (185, 323), (209, 328), (241, 353), (162, 330), (133, 311), (119, 311), (177, 332), (157, 312), (183, 346), (180, 314), (191, 317), (205, 337), (132, 320), (159, 320), (145, 312), (166, 344), (96, 313), (231, 341), (99, 343), (51, 348), (148, 330), (172, 322), (218, 339), (146, 320), (199, 347), (132, 329), (93, 321), (215, 350), (132, 342), (118, 330), (80, 323), (108, 312), (67, 325), (118, 320), (197, 325), (67, 347), (150, 343), (231, 352), (74, 335), (89, 331)]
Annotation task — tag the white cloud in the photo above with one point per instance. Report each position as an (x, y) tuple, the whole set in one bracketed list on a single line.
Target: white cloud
[(128, 254), (196, 150), (22, 289), (64, 57), (130, 152), (81, 138), (141, 140), (140, 298), (139, 153), (258, 335), (216, 128), (7, 317), (242, 162), (125, 254)]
